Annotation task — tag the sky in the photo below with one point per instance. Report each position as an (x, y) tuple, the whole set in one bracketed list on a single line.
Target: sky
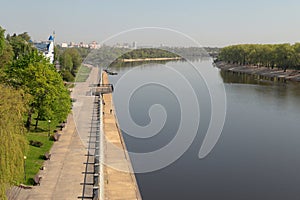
[(209, 22)]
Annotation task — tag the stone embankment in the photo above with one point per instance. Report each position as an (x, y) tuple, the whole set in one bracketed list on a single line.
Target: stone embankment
[(273, 74)]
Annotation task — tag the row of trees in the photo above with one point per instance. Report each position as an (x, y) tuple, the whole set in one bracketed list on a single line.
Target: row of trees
[(30, 86), (268, 55), (148, 53), (70, 60)]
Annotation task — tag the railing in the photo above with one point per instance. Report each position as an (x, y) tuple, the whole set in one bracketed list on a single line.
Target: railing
[(92, 165)]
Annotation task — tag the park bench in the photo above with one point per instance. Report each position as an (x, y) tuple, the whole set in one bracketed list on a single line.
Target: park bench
[(61, 126), (37, 179), (47, 156), (56, 136), (25, 187)]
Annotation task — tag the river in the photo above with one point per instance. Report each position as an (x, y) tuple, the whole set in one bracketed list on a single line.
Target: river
[(257, 155)]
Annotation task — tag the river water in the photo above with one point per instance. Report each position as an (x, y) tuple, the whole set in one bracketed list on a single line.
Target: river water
[(257, 155)]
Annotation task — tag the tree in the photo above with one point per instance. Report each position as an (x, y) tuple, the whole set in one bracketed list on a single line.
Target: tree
[(12, 143), (20, 44), (76, 59), (279, 55), (70, 61), (66, 62), (38, 78), (25, 36), (6, 58), (6, 54), (2, 40), (67, 76)]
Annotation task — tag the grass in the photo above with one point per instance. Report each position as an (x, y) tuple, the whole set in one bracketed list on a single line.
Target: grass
[(35, 155), (83, 73)]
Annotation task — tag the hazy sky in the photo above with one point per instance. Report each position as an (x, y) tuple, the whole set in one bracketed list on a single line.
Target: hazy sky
[(210, 22)]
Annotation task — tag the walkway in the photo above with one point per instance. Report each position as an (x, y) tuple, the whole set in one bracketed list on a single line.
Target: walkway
[(63, 173), (63, 176)]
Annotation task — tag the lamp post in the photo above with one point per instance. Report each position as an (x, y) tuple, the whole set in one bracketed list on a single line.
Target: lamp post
[(25, 168), (49, 121)]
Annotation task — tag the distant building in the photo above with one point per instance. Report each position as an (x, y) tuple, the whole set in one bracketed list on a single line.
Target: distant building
[(47, 48), (72, 44), (64, 45), (134, 45), (124, 45), (82, 45), (94, 45)]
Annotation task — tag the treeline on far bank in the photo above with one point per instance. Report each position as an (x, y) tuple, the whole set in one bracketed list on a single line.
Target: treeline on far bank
[(281, 56), (148, 53)]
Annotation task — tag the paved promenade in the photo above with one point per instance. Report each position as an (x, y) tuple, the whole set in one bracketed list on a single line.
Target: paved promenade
[(63, 173), (117, 185)]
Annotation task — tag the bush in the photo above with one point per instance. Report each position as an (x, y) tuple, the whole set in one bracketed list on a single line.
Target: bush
[(67, 76)]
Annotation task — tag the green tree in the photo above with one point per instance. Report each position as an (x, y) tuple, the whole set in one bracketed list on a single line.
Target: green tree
[(6, 58), (12, 143), (70, 61), (66, 62), (38, 78), (279, 55), (6, 54), (2, 40), (20, 45)]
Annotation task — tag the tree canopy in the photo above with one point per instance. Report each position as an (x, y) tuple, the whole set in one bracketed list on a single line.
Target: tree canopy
[(12, 134), (268, 55), (37, 77), (70, 61), (29, 85), (148, 53), (20, 44)]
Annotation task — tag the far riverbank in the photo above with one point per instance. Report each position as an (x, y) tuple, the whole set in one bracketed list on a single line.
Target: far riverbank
[(149, 59), (272, 74)]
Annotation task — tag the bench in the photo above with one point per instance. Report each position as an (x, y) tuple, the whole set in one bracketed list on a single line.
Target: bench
[(61, 126), (56, 136), (37, 179), (25, 187), (47, 156)]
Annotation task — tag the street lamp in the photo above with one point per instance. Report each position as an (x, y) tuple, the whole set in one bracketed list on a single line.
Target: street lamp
[(25, 168), (49, 121)]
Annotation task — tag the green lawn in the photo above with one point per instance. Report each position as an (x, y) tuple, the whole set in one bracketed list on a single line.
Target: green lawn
[(83, 73), (35, 154)]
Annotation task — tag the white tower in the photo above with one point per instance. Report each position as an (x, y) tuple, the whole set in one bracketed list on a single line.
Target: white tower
[(50, 48)]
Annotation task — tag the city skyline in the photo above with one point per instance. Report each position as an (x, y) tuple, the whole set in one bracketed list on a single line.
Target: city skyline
[(210, 23)]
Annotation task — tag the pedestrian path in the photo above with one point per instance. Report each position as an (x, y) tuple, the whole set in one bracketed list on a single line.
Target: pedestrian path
[(62, 175)]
